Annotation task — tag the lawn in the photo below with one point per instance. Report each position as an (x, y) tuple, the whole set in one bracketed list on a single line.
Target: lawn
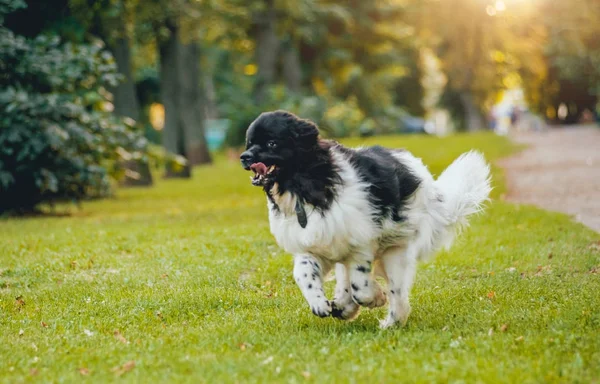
[(183, 283)]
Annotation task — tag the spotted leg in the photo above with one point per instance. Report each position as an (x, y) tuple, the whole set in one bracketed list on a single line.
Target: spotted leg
[(343, 307), (400, 266), (365, 290), (308, 273)]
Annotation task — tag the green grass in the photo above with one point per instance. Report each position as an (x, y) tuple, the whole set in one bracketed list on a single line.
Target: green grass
[(189, 275)]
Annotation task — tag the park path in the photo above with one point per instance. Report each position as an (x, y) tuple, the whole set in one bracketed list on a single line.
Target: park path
[(559, 171)]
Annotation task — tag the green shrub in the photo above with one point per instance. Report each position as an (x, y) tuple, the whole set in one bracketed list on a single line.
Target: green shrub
[(58, 139)]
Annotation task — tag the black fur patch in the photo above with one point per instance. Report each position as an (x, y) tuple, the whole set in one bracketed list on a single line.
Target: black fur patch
[(391, 183), (304, 162)]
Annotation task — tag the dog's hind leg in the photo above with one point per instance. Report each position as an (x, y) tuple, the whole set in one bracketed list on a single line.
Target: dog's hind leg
[(308, 273), (365, 290), (343, 307), (400, 266)]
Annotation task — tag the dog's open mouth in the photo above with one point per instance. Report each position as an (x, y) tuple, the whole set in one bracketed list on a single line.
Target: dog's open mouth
[(261, 173)]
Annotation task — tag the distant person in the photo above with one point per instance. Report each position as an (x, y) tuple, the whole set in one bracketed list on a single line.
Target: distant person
[(492, 119), (514, 116)]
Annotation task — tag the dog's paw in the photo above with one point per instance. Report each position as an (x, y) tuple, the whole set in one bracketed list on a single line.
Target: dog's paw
[(321, 308), (399, 316), (379, 300), (388, 322), (372, 299), (347, 310)]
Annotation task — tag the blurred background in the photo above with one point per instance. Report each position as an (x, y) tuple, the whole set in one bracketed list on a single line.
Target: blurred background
[(97, 91)]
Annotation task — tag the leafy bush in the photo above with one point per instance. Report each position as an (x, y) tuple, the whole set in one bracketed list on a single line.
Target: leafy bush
[(58, 139)]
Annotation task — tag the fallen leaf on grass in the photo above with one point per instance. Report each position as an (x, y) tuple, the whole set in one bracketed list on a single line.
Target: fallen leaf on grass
[(520, 338), (84, 371), (34, 371), (491, 332), (491, 295), (21, 332), (44, 324), (19, 302), (306, 374), (504, 328), (244, 346), (120, 337), (120, 370)]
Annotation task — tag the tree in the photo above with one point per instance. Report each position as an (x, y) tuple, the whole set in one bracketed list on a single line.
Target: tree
[(175, 28), (573, 55), (183, 99), (353, 56), (486, 47), (112, 21), (267, 45), (57, 140)]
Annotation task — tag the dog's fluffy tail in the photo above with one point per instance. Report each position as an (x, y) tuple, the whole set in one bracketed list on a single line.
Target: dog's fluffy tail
[(464, 187)]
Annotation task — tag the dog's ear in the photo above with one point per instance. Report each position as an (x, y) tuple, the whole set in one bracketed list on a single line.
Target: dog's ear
[(305, 132)]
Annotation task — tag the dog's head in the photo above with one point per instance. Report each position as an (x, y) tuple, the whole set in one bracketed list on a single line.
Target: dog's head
[(276, 143)]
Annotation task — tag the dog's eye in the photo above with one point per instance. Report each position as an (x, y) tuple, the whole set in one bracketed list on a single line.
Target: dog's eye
[(271, 144)]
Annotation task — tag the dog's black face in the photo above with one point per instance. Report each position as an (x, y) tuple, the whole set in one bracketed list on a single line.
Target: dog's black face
[(276, 143)]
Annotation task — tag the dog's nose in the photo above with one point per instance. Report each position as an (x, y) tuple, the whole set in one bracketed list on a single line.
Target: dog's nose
[(246, 158)]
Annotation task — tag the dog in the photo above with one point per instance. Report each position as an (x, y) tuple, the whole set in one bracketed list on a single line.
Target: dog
[(366, 212)]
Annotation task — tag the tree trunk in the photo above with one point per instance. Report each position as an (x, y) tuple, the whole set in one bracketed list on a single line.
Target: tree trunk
[(210, 104), (126, 105), (172, 135), (473, 118), (292, 69), (191, 106), (182, 96), (125, 98), (266, 50)]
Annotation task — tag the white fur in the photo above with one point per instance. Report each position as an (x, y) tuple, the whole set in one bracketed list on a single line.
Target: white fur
[(346, 234)]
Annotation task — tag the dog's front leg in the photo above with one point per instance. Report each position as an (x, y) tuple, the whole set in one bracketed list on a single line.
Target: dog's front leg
[(343, 307), (308, 273), (365, 290)]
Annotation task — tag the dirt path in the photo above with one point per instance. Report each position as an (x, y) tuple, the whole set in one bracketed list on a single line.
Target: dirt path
[(560, 171)]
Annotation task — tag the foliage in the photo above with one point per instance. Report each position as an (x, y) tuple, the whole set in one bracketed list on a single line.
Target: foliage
[(10, 6), (185, 280), (57, 139), (486, 48), (359, 51), (336, 118), (573, 45)]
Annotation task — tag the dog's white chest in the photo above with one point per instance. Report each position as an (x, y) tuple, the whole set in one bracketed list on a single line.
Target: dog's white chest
[(331, 234)]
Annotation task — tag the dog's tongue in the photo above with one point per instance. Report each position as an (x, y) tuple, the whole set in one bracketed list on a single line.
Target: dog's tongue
[(259, 168)]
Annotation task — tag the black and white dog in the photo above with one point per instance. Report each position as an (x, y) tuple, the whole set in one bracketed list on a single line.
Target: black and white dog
[(367, 211)]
